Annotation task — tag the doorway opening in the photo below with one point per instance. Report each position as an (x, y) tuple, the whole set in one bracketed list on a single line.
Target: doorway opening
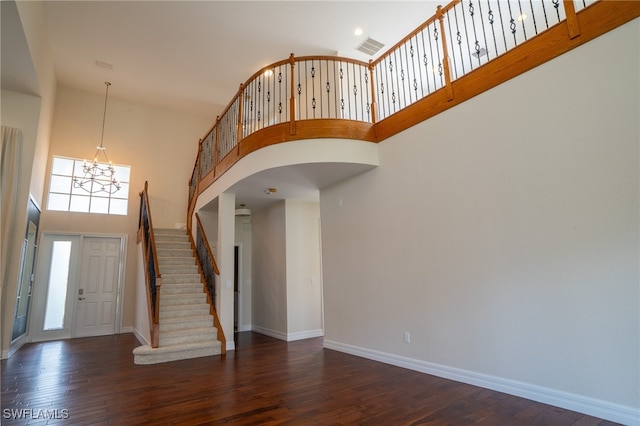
[(236, 289)]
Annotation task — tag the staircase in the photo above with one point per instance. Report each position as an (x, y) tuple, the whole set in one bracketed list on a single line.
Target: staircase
[(186, 324)]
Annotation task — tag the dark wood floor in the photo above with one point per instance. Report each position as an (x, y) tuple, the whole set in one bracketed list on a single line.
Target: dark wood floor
[(93, 381)]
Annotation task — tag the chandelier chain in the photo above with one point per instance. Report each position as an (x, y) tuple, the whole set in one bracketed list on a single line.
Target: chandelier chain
[(99, 177)]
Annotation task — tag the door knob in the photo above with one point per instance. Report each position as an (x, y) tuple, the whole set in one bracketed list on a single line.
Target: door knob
[(80, 298)]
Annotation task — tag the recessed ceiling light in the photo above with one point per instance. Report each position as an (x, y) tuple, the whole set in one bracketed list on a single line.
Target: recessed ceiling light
[(268, 73), (522, 17), (357, 31)]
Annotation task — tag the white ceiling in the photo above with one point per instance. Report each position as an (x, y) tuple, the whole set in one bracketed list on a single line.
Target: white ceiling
[(193, 55)]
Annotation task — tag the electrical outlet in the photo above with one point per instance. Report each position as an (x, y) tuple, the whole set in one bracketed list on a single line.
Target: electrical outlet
[(407, 337)]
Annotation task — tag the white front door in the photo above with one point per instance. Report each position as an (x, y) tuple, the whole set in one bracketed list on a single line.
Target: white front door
[(78, 287), (98, 286)]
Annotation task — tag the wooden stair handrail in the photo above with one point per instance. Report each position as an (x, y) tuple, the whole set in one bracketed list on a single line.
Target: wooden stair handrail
[(149, 251)]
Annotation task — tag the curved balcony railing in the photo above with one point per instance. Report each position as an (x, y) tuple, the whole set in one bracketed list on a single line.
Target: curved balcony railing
[(467, 47)]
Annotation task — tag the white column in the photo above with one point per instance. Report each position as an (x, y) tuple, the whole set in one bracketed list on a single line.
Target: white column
[(226, 243)]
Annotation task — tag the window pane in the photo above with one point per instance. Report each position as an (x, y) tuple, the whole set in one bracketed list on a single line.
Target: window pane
[(123, 192), (62, 166), (58, 279), (58, 202), (77, 189), (77, 168), (99, 205), (60, 184), (118, 206), (79, 203), (122, 173)]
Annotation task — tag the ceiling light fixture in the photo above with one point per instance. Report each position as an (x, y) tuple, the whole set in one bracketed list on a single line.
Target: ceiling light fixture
[(357, 31), (99, 177), (242, 210)]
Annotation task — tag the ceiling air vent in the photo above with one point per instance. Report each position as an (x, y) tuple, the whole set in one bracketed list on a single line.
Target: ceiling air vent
[(370, 46)]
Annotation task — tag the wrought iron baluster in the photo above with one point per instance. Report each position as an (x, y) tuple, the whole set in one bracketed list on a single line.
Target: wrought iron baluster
[(404, 76), (484, 32), (384, 100), (299, 90), (512, 24), (556, 4), (467, 33), (342, 91), (320, 89), (412, 53), (425, 61), (544, 13), (458, 39), (533, 17), (504, 34), (366, 92), (280, 95), (260, 103), (313, 88), (338, 95), (356, 74), (392, 87), (436, 35), (522, 19)]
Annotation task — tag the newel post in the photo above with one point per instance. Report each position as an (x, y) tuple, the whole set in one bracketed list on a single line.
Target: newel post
[(573, 26), (372, 88), (292, 100), (445, 52)]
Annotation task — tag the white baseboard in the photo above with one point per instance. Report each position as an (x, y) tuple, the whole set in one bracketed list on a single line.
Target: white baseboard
[(288, 337), (594, 407), (231, 345), (301, 335), (139, 336), (271, 333), (14, 346)]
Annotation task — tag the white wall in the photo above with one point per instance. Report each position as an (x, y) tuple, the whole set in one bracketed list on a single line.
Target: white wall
[(503, 235), (149, 139), (304, 286), (269, 271)]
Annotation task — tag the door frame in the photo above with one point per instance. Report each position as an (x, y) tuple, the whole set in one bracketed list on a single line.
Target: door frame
[(36, 320)]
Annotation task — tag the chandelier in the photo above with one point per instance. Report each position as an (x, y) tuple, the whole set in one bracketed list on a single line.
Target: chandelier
[(99, 176)]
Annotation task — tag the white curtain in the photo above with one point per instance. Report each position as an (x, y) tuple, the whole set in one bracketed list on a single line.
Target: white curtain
[(10, 152)]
